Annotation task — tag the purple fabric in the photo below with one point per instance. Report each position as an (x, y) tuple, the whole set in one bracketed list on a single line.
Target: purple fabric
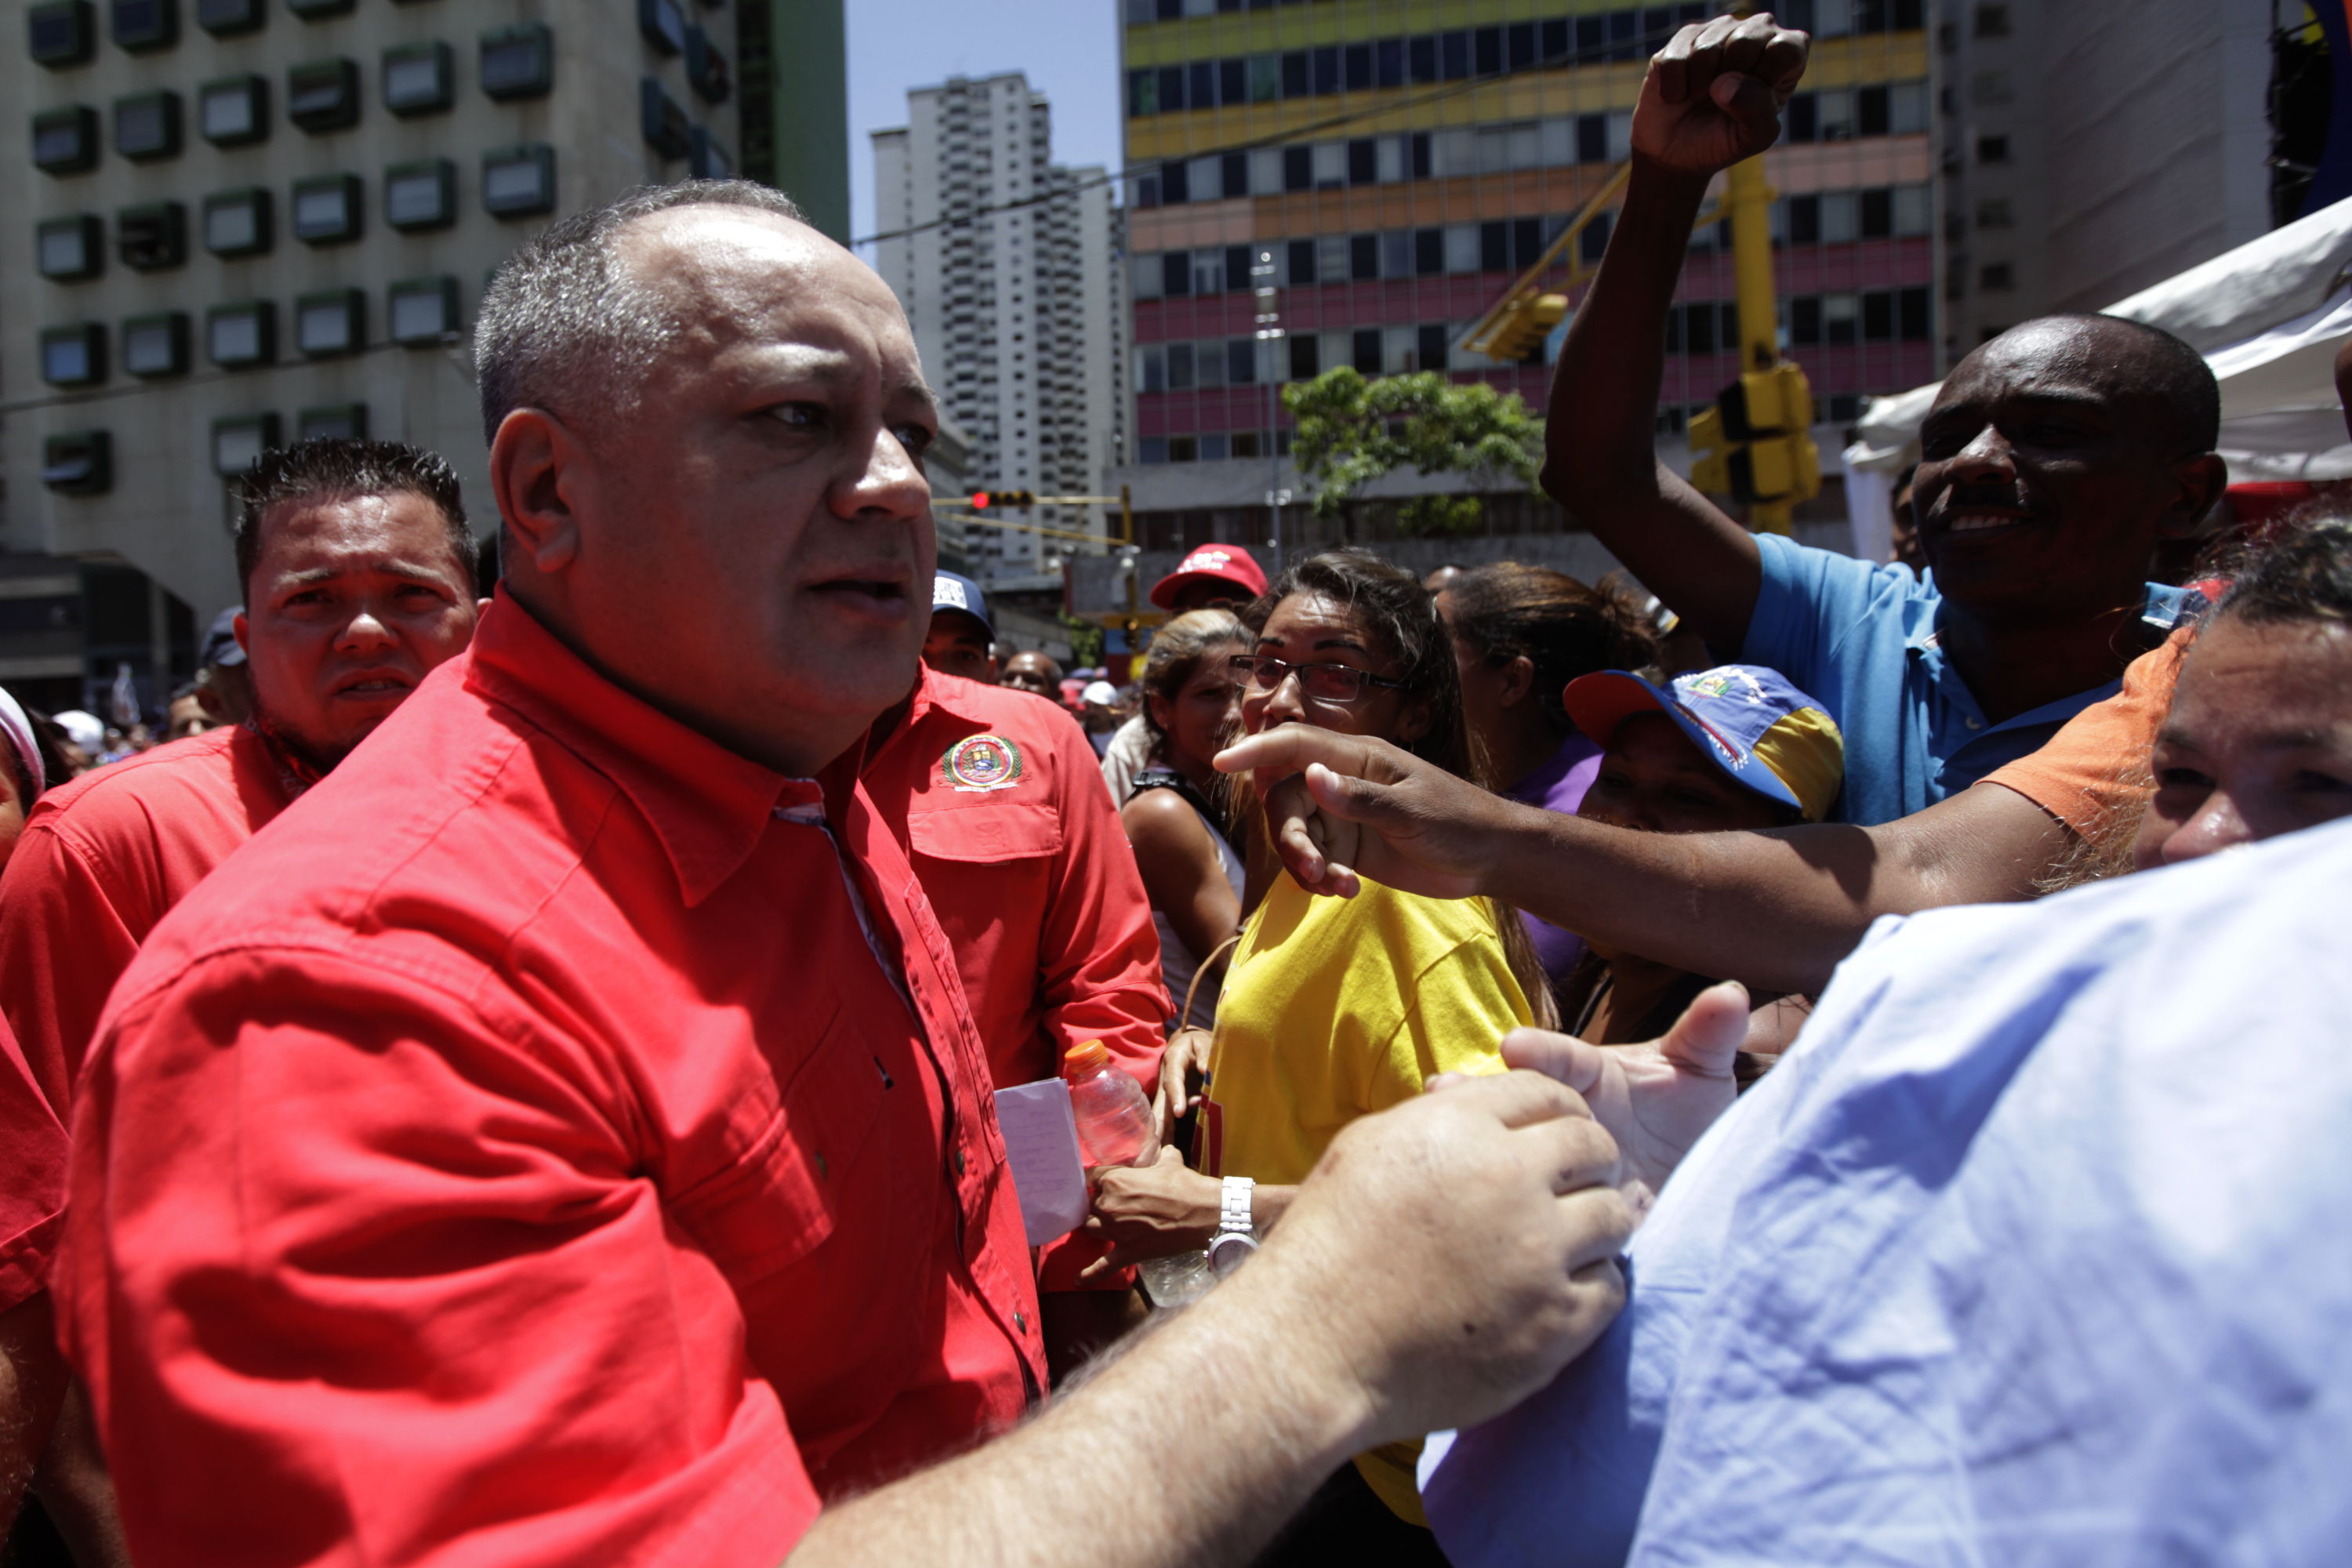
[(1558, 785)]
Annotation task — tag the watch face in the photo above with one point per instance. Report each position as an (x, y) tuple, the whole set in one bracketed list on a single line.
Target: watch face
[(1227, 1253)]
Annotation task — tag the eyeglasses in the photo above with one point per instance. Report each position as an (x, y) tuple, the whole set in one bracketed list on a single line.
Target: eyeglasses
[(1334, 683)]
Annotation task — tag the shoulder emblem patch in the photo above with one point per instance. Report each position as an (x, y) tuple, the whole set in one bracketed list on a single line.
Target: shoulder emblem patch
[(980, 763)]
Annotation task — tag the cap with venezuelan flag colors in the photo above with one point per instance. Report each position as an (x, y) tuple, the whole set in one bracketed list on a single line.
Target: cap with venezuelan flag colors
[(1747, 720)]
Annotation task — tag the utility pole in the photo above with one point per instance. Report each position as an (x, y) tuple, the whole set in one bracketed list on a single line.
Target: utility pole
[(1269, 333)]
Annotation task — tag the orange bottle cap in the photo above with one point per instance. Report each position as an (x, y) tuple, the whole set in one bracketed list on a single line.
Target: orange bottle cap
[(1090, 1057)]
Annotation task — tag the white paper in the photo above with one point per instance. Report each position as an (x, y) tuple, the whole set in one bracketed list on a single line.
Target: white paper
[(1041, 1142)]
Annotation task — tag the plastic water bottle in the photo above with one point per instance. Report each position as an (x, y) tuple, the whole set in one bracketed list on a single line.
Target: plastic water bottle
[(1114, 1119)]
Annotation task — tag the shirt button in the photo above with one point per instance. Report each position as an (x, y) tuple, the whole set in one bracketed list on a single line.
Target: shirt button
[(1976, 723), (959, 1162), (1020, 1323)]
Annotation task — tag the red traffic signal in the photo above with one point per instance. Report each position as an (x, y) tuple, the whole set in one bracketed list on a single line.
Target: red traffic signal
[(980, 501)]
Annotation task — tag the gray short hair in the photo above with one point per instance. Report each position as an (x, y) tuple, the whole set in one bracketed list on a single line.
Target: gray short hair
[(562, 314)]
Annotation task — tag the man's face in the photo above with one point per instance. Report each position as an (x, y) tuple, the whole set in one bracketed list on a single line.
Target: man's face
[(1210, 593), (188, 717), (958, 645), (2048, 472), (747, 541), (1033, 673), (1654, 779), (354, 599)]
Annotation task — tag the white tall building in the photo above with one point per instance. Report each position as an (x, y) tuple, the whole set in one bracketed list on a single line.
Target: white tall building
[(1013, 280)]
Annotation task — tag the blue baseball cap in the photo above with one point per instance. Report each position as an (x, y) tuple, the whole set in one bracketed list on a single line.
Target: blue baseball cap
[(1745, 719), (953, 590)]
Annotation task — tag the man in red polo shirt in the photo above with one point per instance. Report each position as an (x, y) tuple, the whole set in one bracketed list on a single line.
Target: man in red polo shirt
[(358, 574), (564, 1139), (995, 797)]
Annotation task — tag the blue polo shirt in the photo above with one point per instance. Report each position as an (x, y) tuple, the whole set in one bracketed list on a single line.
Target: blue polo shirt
[(1861, 638)]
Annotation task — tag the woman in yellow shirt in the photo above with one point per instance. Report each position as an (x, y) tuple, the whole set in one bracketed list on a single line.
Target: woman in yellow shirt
[(1336, 1008)]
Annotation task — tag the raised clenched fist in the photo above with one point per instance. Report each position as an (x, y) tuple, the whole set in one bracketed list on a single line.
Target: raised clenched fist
[(1714, 92)]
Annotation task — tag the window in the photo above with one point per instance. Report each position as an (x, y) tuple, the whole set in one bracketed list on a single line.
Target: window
[(330, 323), (421, 309), (311, 10), (147, 125), (63, 33), (1911, 313), (223, 18), (1304, 356), (1994, 212), (1990, 87), (242, 335), (69, 249), (156, 346), (152, 237), (324, 95), (74, 356), (232, 111), (659, 23), (707, 158), (1992, 149), (420, 195), (518, 61), (1430, 352), (1997, 277), (1840, 317), (239, 440), (519, 181), (1878, 316), (79, 463), (1992, 21), (418, 78), (65, 140), (326, 209), (1179, 367), (236, 223), (706, 67), (332, 422), (139, 25), (661, 122), (1363, 257)]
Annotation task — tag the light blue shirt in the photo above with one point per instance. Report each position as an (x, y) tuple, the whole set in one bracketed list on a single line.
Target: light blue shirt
[(1861, 640), (2037, 1250)]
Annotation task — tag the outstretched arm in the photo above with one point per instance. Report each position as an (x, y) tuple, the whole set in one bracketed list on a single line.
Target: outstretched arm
[(1777, 910), (1712, 97)]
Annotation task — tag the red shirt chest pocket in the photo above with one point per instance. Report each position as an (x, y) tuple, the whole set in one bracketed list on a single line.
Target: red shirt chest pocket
[(984, 830), (784, 1196)]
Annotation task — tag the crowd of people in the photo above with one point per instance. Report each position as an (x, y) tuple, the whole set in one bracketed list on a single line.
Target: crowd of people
[(1778, 1071)]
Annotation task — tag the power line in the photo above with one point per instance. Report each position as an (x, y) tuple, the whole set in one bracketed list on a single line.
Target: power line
[(1274, 139)]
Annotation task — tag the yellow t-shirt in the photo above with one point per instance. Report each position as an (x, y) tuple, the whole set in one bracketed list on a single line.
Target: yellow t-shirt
[(1335, 1008)]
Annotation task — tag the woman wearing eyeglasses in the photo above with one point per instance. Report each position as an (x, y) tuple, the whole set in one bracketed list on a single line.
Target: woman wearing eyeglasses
[(1336, 1008)]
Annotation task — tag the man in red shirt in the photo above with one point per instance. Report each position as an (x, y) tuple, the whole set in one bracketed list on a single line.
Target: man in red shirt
[(995, 796), (358, 574), (564, 1139)]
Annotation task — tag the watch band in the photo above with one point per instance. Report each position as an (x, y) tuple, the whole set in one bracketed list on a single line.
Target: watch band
[(1235, 1215)]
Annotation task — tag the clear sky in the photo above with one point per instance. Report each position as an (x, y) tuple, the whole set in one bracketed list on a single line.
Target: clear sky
[(1067, 48)]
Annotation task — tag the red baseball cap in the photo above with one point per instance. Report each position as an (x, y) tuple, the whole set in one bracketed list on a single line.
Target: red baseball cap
[(1211, 564)]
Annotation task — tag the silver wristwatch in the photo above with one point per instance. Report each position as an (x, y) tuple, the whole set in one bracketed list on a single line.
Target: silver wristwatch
[(1236, 1235)]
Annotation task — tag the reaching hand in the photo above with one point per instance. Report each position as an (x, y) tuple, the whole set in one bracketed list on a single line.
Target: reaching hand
[(1187, 1054), (1339, 805), (1654, 1100), (1714, 94), (1151, 1211)]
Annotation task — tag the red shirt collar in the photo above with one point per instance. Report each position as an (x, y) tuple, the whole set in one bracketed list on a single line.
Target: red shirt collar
[(708, 805)]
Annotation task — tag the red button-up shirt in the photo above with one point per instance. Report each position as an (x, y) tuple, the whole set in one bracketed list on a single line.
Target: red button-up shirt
[(100, 859), (1001, 803), (33, 1194), (524, 1154)]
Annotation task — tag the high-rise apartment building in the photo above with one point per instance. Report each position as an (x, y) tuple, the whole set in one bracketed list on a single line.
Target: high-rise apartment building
[(1397, 163), (1009, 267), (2092, 148), (235, 223)]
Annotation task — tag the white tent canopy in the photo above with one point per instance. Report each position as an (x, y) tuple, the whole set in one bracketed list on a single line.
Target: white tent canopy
[(2268, 317)]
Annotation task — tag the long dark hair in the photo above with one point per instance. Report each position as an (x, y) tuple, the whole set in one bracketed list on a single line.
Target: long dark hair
[(1565, 628), (1401, 616)]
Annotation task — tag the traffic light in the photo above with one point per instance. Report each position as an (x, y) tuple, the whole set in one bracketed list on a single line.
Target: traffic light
[(1525, 326), (1755, 444), (983, 501)]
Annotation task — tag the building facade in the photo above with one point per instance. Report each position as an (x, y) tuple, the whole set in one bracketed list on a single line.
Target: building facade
[(1010, 269), (1392, 166), (236, 223), (2093, 149)]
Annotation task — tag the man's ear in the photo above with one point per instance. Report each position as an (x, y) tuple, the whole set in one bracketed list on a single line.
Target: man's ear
[(1414, 720), (539, 472), (2201, 480)]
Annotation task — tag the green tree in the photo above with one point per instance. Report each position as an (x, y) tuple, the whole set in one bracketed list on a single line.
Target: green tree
[(1351, 431)]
